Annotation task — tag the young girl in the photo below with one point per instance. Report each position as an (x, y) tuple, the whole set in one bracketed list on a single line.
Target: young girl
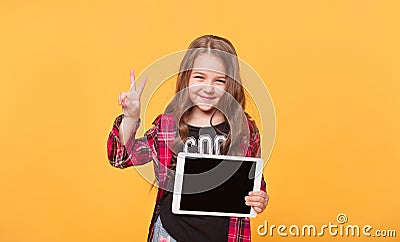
[(208, 104)]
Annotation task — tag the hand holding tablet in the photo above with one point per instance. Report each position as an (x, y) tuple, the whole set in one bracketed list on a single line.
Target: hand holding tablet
[(258, 200)]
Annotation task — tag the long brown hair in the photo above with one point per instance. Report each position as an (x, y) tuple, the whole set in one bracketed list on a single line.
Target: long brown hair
[(232, 103)]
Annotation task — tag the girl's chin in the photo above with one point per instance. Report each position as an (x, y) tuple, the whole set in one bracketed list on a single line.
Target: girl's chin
[(205, 107)]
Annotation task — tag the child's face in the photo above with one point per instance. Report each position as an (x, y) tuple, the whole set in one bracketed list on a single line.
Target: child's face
[(207, 82)]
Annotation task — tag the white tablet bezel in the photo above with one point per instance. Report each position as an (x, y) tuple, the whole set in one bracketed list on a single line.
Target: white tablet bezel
[(179, 179)]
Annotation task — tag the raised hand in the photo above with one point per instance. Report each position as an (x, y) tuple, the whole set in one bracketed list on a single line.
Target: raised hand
[(130, 101)]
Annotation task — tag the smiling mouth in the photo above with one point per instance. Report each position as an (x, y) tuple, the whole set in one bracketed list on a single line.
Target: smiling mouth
[(206, 98)]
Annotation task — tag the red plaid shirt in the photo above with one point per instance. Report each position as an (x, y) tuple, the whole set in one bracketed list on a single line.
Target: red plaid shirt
[(153, 146)]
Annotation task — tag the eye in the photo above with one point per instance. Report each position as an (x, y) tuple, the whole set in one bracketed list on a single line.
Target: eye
[(221, 81), (198, 77)]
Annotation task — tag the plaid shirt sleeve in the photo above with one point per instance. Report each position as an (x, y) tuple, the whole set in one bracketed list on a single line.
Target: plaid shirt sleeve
[(255, 147), (137, 151), (239, 228)]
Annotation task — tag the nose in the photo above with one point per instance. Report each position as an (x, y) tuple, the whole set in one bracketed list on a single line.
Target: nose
[(208, 88)]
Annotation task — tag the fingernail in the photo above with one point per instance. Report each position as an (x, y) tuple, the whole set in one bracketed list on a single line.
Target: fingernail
[(245, 198)]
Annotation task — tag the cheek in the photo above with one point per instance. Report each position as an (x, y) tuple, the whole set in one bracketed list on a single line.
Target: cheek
[(192, 93), (193, 88), (192, 82), (219, 91)]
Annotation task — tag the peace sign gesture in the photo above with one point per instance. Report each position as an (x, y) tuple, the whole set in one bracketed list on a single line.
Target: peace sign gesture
[(130, 101)]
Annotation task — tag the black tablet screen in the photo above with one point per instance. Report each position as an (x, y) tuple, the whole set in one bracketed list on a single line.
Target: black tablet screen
[(217, 185)]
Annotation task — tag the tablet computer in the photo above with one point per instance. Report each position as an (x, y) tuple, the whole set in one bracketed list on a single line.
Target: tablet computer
[(215, 184)]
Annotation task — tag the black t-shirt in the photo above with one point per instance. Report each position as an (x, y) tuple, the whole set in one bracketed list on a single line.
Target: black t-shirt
[(195, 227)]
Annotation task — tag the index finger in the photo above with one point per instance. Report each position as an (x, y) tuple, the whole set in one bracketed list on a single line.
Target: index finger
[(132, 81), (259, 193)]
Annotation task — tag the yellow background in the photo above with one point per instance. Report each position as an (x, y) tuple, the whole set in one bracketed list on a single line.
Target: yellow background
[(332, 68)]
